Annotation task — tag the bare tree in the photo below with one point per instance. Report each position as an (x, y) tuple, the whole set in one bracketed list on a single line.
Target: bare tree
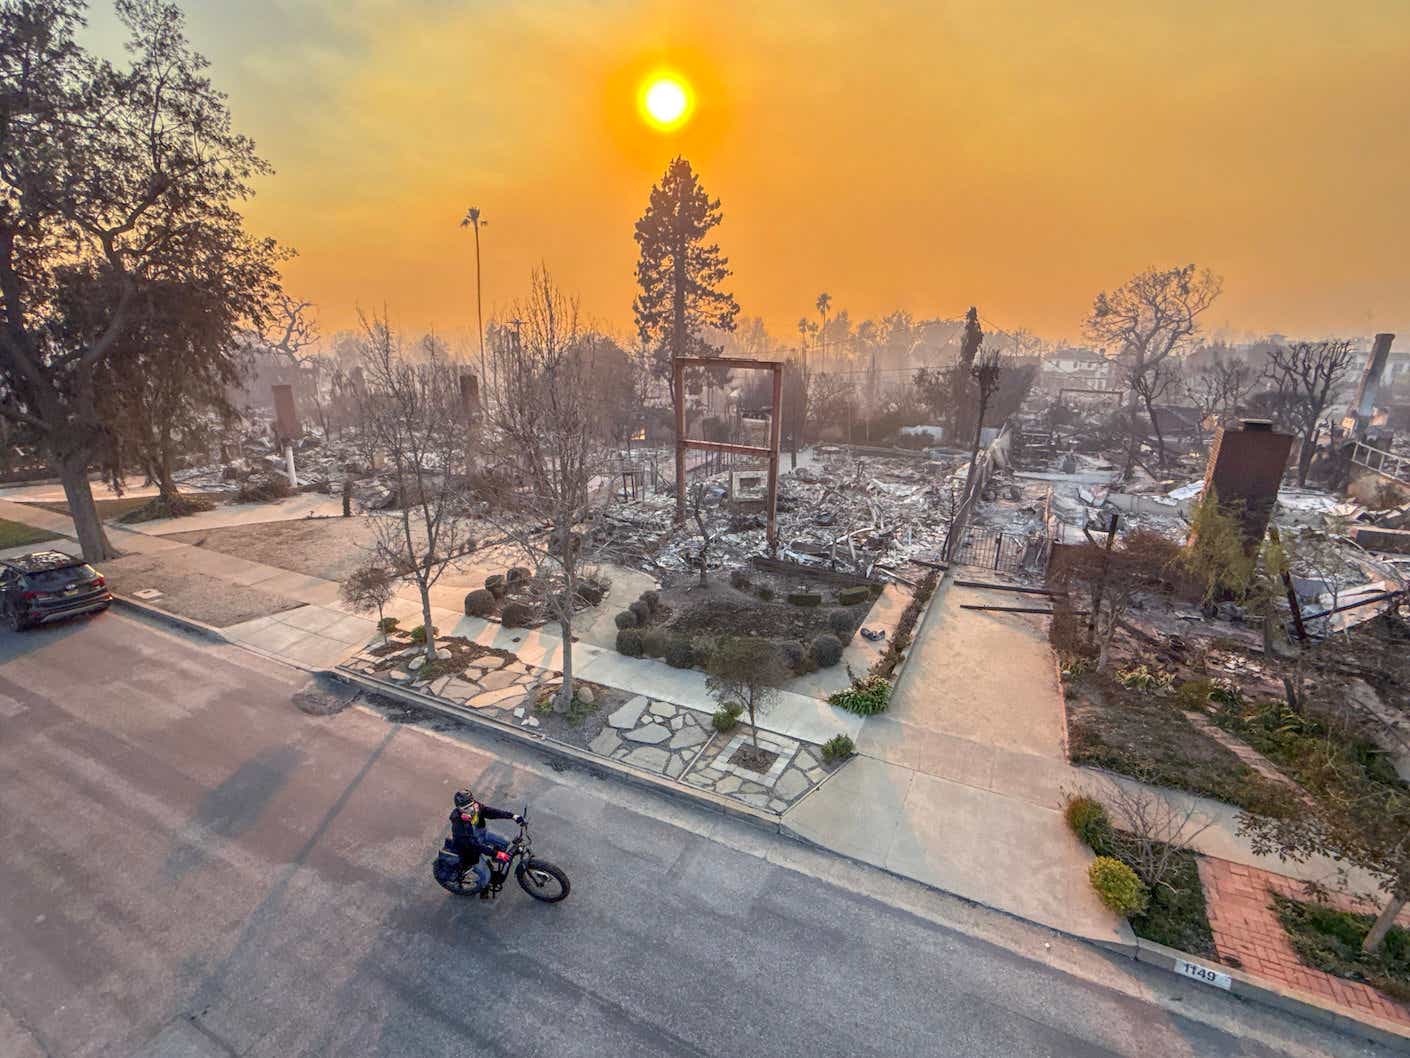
[(1151, 317), (543, 409), (1151, 386), (1217, 389), (411, 412), (1306, 376), (707, 522), (369, 587)]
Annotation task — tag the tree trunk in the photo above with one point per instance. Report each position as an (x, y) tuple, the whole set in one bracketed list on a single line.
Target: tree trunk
[(1304, 461), (73, 472), (1382, 925), (1159, 439), (564, 700), (425, 590)]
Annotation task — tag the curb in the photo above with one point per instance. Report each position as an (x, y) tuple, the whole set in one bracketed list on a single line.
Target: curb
[(186, 624), (1367, 1026), (562, 750), (941, 584)]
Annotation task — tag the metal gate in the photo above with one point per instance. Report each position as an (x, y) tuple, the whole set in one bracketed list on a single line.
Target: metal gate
[(995, 549)]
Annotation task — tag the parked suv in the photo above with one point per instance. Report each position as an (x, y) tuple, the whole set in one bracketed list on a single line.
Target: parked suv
[(48, 586)]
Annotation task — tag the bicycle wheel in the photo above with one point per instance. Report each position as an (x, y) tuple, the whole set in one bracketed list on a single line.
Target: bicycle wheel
[(543, 881)]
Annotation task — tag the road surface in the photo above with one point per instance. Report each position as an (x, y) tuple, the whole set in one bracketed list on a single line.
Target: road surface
[(194, 867)]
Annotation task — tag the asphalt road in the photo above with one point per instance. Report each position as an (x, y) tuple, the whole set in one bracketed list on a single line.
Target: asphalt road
[(193, 867)]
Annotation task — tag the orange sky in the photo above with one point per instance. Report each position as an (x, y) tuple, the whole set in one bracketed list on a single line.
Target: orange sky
[(1019, 155)]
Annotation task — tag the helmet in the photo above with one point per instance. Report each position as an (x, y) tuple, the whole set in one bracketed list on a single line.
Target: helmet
[(463, 798)]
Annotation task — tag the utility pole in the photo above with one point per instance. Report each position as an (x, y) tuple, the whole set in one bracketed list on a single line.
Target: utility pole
[(474, 219)]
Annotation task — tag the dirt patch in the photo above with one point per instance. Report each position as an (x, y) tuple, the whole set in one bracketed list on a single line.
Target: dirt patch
[(330, 548), (188, 592), (752, 759), (720, 609), (582, 723)]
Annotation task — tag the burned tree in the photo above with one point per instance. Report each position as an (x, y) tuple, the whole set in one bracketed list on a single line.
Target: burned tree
[(708, 522), (1149, 319), (1305, 377), (108, 178), (1217, 389), (987, 371), (411, 412), (1151, 386), (543, 410)]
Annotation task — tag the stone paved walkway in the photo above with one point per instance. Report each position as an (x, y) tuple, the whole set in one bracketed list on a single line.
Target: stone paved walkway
[(1246, 928)]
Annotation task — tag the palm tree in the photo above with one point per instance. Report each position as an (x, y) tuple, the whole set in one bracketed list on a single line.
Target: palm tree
[(473, 219), (824, 300)]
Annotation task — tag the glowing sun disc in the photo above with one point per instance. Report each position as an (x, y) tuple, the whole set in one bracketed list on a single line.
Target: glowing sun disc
[(665, 101)]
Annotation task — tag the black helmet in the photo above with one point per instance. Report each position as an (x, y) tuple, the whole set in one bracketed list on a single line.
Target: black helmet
[(463, 798)]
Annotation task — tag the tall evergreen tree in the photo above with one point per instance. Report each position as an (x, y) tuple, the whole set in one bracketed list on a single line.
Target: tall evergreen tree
[(680, 272)]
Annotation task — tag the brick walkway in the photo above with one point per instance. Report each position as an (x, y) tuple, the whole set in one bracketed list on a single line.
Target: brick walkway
[(1246, 928)]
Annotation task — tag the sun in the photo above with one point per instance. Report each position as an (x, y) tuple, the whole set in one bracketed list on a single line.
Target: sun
[(665, 101)]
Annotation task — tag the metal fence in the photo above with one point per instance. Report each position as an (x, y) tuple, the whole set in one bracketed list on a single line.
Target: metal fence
[(994, 549)]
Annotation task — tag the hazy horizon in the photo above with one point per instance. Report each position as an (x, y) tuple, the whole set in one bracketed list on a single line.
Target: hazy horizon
[(924, 157)]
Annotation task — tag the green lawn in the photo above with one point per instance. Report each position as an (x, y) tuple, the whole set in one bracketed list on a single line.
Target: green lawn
[(17, 534)]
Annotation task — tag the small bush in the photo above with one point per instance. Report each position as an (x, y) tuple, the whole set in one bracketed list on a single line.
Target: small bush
[(515, 615), (804, 598), (680, 654), (840, 621), (629, 642), (418, 634), (642, 611), (827, 650), (765, 593), (703, 648), (838, 747), (590, 592), (517, 575), (496, 585), (1088, 819), (866, 697), (652, 600), (655, 641), (724, 721), (852, 596), (1143, 678), (1194, 695), (739, 579), (735, 709), (1118, 886), (387, 625), (626, 619), (480, 603)]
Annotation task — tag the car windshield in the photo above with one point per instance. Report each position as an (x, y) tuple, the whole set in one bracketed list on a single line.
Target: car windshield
[(58, 579)]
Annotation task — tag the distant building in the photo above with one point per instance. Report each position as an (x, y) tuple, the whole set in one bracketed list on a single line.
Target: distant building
[(1075, 368)]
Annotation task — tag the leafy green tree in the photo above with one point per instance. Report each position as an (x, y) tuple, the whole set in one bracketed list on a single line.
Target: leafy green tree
[(679, 272), (1216, 552), (111, 180)]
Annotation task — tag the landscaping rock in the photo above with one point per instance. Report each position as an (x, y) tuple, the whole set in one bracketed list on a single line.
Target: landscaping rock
[(416, 662), (662, 709), (586, 697), (398, 675), (790, 784), (493, 681), (605, 742), (675, 767), (677, 722), (687, 737), (627, 715), (648, 757), (458, 689), (651, 734), (487, 698), (443, 654), (728, 785)]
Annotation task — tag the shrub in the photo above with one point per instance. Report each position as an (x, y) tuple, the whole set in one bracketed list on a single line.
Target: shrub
[(1118, 886), (838, 747), (765, 593), (516, 615), (739, 579), (735, 709), (680, 654), (263, 488), (652, 600), (642, 611), (418, 634), (1143, 678), (1194, 695), (480, 602), (387, 625), (590, 592), (516, 575), (866, 697), (827, 650), (1088, 819), (626, 619), (496, 585), (629, 642), (804, 598), (840, 621), (853, 596), (724, 721), (704, 648)]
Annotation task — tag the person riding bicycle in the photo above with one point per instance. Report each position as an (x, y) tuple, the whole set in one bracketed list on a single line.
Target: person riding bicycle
[(471, 840)]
